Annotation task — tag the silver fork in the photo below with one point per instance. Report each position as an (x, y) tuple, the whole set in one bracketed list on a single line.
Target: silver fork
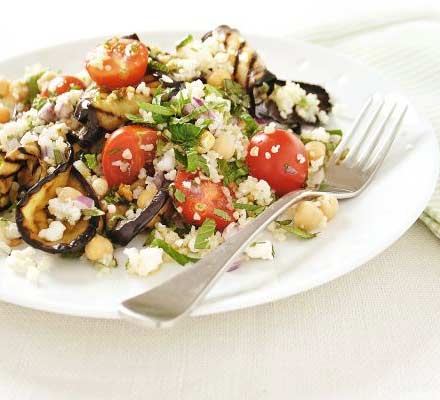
[(347, 175)]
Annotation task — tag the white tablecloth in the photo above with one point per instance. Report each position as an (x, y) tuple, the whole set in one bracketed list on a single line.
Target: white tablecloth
[(373, 334)]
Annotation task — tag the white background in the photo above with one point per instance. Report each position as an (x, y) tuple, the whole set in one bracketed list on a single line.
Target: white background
[(373, 334)]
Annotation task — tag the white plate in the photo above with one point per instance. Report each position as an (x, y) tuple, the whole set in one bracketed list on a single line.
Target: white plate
[(364, 227)]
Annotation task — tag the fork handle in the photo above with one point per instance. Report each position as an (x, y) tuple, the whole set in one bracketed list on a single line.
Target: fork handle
[(167, 303)]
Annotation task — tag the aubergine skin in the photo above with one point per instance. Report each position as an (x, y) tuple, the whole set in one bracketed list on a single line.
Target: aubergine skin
[(31, 214), (267, 109), (125, 232)]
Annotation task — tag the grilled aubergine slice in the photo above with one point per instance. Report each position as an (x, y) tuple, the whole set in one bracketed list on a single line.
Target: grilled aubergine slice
[(249, 70), (125, 230), (32, 214)]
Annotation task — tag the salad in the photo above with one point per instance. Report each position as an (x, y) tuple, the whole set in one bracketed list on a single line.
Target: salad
[(181, 148)]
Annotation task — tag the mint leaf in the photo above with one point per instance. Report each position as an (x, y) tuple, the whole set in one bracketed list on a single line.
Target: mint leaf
[(251, 125), (158, 66), (156, 109), (186, 135), (253, 209), (179, 196), (239, 98), (90, 160), (195, 161), (180, 258), (222, 214), (335, 132), (32, 85), (184, 42), (204, 233), (232, 171), (39, 102), (297, 231)]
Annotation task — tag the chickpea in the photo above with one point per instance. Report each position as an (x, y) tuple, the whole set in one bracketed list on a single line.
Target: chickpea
[(224, 145), (308, 216), (98, 248), (315, 150), (206, 142), (100, 186), (68, 193), (19, 90), (329, 206), (125, 192), (146, 196), (4, 87), (5, 114), (217, 77)]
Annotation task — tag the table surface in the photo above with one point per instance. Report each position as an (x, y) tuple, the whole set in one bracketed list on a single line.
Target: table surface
[(372, 334)]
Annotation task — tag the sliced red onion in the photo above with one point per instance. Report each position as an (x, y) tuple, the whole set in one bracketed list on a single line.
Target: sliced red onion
[(188, 108), (261, 121), (86, 201), (290, 170), (235, 264), (47, 112), (158, 179), (197, 102)]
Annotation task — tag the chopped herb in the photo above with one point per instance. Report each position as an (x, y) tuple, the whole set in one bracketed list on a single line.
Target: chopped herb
[(156, 109), (92, 212), (251, 125), (177, 103), (58, 156), (150, 237), (239, 98), (90, 161), (39, 102), (113, 197), (284, 222), (158, 66), (297, 231), (32, 85), (204, 233), (137, 119), (232, 171), (196, 161), (253, 209), (179, 196), (337, 132), (184, 42), (186, 134), (222, 214), (209, 89), (114, 151), (180, 157), (180, 258)]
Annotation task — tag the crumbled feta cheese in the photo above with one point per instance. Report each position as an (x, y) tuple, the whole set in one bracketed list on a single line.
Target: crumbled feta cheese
[(142, 173), (123, 166), (143, 89), (147, 147), (308, 108), (287, 97), (270, 128), (171, 176), (54, 232), (259, 190), (319, 134), (263, 250), (147, 116), (275, 149), (267, 155), (196, 216), (211, 158), (179, 210), (300, 157), (143, 262), (66, 102), (254, 151), (316, 164), (166, 79), (28, 263), (167, 162), (97, 57), (130, 92), (65, 210), (111, 208), (186, 184), (126, 154)]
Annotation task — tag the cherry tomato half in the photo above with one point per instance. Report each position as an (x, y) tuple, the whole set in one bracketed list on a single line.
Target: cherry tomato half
[(280, 159), (126, 151), (203, 200), (118, 63), (62, 84)]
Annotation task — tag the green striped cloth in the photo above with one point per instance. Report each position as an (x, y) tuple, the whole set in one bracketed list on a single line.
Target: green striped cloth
[(405, 48)]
